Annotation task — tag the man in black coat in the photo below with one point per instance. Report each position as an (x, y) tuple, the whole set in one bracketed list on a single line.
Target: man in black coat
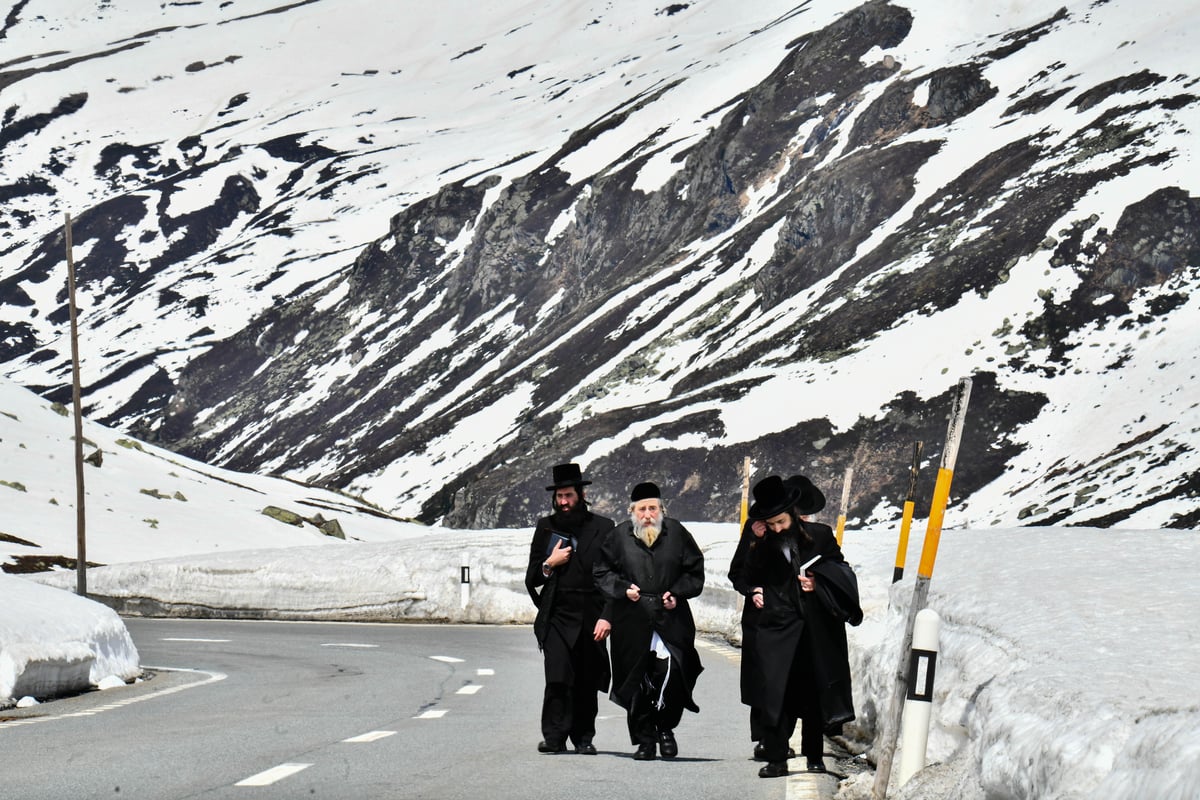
[(573, 617), (807, 593), (650, 566), (810, 501)]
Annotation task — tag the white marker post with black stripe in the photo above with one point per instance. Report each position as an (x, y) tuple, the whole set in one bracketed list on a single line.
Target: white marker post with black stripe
[(464, 579), (918, 703)]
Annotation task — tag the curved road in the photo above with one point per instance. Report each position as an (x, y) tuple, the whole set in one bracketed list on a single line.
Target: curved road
[(271, 710)]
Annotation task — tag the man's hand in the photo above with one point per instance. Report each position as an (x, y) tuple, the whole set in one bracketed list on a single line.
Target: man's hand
[(559, 555), (601, 631), (759, 528), (633, 592), (669, 601), (756, 597)]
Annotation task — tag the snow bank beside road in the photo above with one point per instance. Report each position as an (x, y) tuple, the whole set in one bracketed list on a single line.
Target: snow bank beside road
[(1066, 669), (54, 642)]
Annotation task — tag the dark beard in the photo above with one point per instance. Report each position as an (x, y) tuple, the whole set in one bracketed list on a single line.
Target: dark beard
[(571, 519)]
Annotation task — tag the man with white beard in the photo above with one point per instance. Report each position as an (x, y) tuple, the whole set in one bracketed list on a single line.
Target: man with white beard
[(650, 566)]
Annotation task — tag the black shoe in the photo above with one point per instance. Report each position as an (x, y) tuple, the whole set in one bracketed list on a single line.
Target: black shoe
[(760, 753), (586, 748), (645, 752), (774, 769), (552, 747), (667, 745), (816, 765)]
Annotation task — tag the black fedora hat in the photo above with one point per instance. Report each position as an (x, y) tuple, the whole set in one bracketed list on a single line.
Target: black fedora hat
[(811, 499), (567, 475), (771, 497)]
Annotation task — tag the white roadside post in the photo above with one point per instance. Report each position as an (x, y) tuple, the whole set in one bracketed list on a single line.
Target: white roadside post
[(464, 580), (918, 705)]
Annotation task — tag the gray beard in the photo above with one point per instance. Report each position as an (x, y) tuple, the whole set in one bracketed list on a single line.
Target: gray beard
[(647, 533)]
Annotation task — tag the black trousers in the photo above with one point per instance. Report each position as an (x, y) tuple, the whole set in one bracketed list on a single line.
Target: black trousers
[(801, 702), (645, 718), (758, 725), (569, 709)]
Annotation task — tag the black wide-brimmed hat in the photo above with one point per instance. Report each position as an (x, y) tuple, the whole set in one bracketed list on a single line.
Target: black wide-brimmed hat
[(567, 475), (771, 497), (811, 499)]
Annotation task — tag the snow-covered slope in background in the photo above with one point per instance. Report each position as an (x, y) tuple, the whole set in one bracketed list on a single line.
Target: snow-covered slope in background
[(423, 253), (144, 502)]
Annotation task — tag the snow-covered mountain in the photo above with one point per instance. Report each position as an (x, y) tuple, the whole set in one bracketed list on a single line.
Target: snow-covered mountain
[(422, 252)]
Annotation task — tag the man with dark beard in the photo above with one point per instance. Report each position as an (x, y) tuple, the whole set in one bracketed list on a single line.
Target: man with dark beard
[(806, 593), (650, 566), (573, 617), (810, 501)]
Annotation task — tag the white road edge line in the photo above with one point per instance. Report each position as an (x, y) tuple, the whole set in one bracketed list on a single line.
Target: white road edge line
[(272, 775), (447, 659), (213, 677), (433, 713), (470, 688)]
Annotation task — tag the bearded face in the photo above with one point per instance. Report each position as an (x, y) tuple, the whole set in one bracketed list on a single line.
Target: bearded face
[(646, 516), (567, 500)]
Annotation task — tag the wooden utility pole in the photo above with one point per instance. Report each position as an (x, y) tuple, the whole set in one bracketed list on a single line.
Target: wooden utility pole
[(80, 519), (890, 721)]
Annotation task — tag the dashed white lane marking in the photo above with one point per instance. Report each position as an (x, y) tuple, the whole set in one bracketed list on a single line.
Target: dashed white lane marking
[(213, 677), (485, 671), (470, 688), (348, 644), (272, 775), (190, 639), (373, 736), (433, 713), (447, 659)]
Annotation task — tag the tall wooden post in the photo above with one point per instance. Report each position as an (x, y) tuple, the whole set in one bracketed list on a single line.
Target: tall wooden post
[(890, 722), (76, 393)]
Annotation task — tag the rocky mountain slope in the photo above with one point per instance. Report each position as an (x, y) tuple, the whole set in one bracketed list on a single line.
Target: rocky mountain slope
[(422, 255)]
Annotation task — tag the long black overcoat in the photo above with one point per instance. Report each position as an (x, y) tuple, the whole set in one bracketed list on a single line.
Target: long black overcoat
[(750, 613), (808, 625), (674, 564), (569, 602)]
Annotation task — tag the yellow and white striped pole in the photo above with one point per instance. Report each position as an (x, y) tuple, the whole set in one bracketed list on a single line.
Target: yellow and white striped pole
[(941, 490), (906, 520), (890, 721), (841, 520), (745, 495)]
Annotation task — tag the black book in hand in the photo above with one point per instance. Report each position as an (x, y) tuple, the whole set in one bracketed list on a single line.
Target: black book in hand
[(556, 537)]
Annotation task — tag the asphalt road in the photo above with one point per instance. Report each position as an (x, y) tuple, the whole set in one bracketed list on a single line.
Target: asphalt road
[(269, 710)]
